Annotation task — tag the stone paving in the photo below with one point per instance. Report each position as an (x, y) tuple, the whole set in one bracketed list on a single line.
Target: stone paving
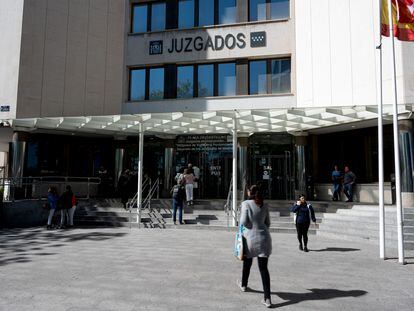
[(122, 269)]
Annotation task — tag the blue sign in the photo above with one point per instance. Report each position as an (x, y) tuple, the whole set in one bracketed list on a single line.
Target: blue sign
[(258, 39), (155, 47)]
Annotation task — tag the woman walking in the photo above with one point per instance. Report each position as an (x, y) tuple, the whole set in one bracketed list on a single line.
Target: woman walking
[(189, 186), (304, 214), (256, 221), (52, 199)]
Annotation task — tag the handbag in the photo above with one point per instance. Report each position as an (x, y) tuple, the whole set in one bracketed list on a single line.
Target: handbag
[(239, 244)]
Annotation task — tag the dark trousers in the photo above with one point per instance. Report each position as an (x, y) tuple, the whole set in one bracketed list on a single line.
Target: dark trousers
[(178, 205), (348, 191), (302, 230), (264, 272), (336, 192)]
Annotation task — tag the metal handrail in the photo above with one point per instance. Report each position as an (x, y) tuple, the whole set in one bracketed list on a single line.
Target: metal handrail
[(228, 205), (228, 202), (9, 184), (146, 202)]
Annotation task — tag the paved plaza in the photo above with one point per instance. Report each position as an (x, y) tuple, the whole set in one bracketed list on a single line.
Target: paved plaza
[(122, 269)]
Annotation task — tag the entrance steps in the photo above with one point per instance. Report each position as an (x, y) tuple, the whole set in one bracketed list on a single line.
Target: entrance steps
[(205, 214), (361, 224)]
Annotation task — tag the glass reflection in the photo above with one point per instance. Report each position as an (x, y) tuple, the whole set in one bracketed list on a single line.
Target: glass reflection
[(257, 10), (281, 76), (139, 24), (185, 81), (186, 14), (158, 17), (206, 12), (227, 79), (137, 91), (279, 9), (156, 83), (258, 77), (205, 80), (227, 11)]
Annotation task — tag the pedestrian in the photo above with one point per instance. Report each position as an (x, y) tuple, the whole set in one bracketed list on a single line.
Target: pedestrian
[(124, 186), (52, 199), (189, 186), (304, 215), (178, 196), (73, 204), (65, 206), (349, 181), (256, 222), (336, 180)]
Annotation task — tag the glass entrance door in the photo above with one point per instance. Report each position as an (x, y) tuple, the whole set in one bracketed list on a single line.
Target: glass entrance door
[(273, 174)]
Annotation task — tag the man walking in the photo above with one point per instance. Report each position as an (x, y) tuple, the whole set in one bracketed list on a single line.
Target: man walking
[(349, 181)]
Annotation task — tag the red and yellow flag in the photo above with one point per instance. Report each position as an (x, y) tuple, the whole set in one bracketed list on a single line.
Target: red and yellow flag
[(403, 19)]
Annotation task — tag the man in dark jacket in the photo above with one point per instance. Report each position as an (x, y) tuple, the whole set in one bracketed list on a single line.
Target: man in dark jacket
[(349, 181), (178, 196)]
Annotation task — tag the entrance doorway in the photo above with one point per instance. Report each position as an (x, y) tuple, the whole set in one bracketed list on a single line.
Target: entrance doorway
[(273, 173)]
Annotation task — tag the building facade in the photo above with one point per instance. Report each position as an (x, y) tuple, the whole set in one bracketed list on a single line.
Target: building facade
[(298, 81)]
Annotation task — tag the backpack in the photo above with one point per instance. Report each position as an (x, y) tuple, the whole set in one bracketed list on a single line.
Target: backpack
[(178, 192)]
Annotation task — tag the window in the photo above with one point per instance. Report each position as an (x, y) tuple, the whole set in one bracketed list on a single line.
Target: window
[(227, 11), (156, 83), (257, 77), (268, 9), (257, 10), (137, 91), (186, 14), (226, 79), (279, 9), (158, 16), (205, 12), (205, 80), (139, 18), (280, 70), (185, 81)]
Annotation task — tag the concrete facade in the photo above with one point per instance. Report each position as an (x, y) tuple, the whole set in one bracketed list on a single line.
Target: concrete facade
[(72, 58)]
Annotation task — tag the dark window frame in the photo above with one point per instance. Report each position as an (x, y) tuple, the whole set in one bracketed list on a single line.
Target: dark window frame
[(268, 74), (149, 15), (268, 11), (194, 79), (214, 77), (216, 80)]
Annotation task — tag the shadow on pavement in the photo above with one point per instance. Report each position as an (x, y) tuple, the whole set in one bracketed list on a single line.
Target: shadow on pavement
[(23, 245), (336, 249)]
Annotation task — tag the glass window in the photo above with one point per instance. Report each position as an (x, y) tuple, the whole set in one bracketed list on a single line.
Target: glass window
[(185, 81), (205, 12), (258, 77), (279, 9), (281, 76), (186, 14), (137, 91), (227, 79), (257, 10), (205, 80), (227, 11), (139, 23), (158, 17), (156, 83)]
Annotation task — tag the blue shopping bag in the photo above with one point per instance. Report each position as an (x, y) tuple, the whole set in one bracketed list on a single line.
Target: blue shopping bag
[(239, 244)]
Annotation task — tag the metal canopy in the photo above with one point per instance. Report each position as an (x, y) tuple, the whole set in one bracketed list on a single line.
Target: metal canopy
[(210, 122)]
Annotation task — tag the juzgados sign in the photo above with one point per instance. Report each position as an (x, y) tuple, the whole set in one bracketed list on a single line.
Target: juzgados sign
[(216, 43)]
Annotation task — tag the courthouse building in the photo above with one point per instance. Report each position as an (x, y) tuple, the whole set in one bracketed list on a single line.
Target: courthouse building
[(296, 80)]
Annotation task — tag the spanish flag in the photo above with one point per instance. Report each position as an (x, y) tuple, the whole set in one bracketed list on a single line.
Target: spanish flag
[(403, 19)]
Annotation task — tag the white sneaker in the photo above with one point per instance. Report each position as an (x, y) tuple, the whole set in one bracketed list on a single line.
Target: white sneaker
[(242, 288), (267, 303)]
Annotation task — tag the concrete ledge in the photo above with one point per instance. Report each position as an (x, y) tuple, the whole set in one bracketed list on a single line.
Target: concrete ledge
[(27, 213), (364, 193)]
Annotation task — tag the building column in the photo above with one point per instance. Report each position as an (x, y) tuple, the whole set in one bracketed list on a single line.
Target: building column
[(119, 158), (243, 143), (168, 164), (405, 129), (235, 179), (18, 153), (300, 149), (140, 171)]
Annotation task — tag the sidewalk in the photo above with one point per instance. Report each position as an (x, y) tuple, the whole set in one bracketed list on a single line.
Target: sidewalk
[(122, 269)]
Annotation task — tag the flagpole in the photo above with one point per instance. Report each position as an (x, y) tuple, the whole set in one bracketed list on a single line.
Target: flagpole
[(381, 149), (396, 141)]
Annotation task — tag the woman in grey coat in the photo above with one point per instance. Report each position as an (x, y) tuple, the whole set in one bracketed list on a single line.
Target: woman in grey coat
[(256, 221)]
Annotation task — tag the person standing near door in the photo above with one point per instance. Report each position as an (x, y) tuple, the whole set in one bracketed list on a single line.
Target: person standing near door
[(336, 180), (349, 181), (189, 186)]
